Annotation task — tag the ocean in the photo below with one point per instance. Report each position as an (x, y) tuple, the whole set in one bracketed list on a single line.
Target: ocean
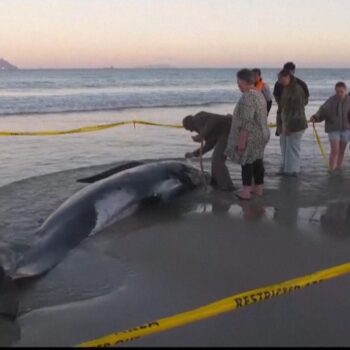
[(26, 92), (63, 99)]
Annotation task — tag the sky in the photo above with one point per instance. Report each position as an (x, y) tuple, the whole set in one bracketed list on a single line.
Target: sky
[(179, 33)]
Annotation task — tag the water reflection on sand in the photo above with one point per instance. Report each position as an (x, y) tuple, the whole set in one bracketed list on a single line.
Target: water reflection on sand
[(289, 210)]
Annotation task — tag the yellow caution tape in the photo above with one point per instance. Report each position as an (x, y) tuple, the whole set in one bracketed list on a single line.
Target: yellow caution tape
[(225, 305), (317, 136), (99, 127), (89, 128)]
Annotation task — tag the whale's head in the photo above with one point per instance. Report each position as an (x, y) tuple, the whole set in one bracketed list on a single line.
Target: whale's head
[(189, 175)]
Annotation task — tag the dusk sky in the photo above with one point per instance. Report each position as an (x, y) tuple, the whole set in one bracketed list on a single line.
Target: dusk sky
[(180, 33)]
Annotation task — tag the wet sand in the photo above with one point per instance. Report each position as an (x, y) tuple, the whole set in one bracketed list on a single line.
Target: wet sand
[(172, 258)]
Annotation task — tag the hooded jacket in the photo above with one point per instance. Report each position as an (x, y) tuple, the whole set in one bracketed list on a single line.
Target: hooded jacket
[(292, 104), (335, 113)]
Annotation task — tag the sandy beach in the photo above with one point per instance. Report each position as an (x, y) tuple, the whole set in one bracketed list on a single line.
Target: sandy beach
[(202, 247)]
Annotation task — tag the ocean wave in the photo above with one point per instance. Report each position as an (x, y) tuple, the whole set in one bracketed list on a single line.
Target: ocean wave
[(111, 109), (39, 104)]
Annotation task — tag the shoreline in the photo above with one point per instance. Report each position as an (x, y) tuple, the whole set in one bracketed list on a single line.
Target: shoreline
[(27, 156)]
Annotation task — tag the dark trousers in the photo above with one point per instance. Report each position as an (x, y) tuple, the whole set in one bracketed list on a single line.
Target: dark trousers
[(254, 171)]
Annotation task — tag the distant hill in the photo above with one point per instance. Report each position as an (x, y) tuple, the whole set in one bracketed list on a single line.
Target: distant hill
[(157, 66), (4, 65)]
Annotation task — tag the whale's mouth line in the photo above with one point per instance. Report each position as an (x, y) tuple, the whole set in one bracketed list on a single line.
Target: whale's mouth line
[(19, 275)]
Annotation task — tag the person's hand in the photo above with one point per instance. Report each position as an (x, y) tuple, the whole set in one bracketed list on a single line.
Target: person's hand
[(197, 138), (313, 119), (189, 155)]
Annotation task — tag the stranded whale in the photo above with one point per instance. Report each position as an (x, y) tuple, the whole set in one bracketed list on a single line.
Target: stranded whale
[(110, 196)]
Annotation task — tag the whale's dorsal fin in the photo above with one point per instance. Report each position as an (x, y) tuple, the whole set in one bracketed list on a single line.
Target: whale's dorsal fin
[(110, 172)]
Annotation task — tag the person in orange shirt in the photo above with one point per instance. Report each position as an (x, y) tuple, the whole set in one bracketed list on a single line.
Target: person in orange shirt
[(263, 87)]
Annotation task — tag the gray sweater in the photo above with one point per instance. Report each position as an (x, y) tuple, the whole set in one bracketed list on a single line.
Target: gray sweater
[(336, 114)]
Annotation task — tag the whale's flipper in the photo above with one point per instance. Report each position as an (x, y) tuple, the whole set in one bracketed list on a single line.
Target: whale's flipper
[(8, 296), (110, 172)]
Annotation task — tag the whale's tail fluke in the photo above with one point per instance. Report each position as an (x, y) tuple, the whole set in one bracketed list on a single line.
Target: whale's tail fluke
[(8, 296)]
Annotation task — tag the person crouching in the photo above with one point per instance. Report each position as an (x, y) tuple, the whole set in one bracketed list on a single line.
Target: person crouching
[(213, 129)]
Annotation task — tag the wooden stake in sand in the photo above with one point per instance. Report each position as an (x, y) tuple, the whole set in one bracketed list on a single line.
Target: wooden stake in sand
[(201, 165)]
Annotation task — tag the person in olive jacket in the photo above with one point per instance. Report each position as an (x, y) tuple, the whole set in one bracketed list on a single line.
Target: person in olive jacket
[(278, 90), (293, 122)]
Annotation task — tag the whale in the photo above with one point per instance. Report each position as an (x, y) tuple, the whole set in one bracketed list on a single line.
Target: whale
[(107, 198), (100, 204)]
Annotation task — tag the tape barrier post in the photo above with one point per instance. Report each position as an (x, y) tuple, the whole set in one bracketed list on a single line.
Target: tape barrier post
[(214, 309), (201, 166)]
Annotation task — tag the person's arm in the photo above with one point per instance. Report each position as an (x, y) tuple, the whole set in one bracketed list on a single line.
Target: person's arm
[(208, 146), (320, 115), (204, 125), (268, 97), (267, 93), (305, 89), (277, 91), (208, 128), (245, 118), (278, 124), (269, 106), (307, 94), (242, 141)]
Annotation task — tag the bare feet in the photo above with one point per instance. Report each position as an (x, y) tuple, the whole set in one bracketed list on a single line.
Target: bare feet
[(258, 190), (245, 194)]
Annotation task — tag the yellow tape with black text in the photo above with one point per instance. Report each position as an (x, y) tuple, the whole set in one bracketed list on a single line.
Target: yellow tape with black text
[(219, 307)]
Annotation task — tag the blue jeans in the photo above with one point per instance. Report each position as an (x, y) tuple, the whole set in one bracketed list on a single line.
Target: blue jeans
[(290, 150)]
